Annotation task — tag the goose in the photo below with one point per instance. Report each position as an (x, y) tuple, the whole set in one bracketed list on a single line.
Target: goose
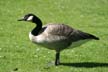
[(56, 36)]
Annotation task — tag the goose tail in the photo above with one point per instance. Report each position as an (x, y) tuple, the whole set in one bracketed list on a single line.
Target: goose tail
[(94, 37)]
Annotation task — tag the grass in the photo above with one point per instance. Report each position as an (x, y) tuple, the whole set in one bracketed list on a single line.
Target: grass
[(18, 54)]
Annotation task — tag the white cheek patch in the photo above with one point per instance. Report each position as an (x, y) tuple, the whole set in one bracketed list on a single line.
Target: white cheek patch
[(30, 18)]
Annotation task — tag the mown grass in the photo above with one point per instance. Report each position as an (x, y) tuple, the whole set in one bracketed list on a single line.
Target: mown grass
[(18, 54)]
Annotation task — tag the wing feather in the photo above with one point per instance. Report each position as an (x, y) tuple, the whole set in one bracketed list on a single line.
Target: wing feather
[(65, 33)]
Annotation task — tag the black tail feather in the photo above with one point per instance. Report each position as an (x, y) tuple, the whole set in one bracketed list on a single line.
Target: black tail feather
[(93, 37), (87, 36)]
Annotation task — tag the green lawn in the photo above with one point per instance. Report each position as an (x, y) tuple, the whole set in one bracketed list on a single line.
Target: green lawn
[(18, 54)]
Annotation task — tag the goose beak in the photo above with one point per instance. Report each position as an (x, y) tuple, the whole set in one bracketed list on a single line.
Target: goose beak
[(21, 19)]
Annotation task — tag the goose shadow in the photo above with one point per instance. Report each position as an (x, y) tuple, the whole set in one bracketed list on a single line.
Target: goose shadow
[(85, 64)]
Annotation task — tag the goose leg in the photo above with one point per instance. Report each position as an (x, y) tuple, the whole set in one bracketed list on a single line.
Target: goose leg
[(57, 60)]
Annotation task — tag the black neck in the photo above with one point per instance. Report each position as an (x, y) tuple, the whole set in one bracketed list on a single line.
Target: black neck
[(37, 29)]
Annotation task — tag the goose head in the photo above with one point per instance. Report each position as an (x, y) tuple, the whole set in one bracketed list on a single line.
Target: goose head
[(34, 19), (31, 18)]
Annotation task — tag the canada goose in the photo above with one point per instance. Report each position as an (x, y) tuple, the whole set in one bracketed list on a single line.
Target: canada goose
[(56, 36)]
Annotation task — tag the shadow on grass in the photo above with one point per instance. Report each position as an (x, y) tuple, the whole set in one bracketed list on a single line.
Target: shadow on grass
[(86, 64)]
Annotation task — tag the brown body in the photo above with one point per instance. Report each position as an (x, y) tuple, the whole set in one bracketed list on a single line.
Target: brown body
[(59, 36)]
